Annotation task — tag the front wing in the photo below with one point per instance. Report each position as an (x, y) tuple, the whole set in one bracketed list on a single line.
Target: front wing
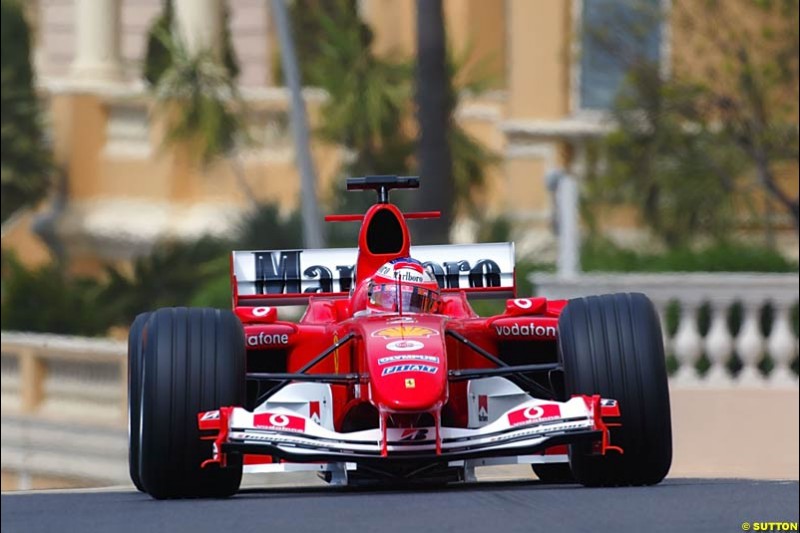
[(528, 428)]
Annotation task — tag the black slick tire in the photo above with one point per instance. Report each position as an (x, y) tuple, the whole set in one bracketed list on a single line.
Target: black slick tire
[(611, 345), (553, 472), (194, 360)]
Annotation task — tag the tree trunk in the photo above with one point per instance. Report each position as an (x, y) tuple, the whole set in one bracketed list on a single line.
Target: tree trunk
[(792, 206), (437, 190), (767, 180)]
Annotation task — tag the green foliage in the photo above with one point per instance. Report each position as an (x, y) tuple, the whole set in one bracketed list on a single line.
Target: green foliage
[(157, 58), (25, 163), (488, 307), (265, 229), (752, 92), (194, 273), (345, 234), (369, 109), (158, 55), (670, 163), (307, 26), (46, 300), (603, 255), (216, 292), (368, 104), (497, 229), (201, 102), (691, 150), (756, 83), (368, 95), (171, 275)]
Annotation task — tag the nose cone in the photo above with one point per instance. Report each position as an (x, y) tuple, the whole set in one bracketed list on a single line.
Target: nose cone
[(407, 362)]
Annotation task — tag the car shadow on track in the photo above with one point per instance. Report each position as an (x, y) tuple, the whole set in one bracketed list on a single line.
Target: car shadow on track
[(480, 486), (404, 488)]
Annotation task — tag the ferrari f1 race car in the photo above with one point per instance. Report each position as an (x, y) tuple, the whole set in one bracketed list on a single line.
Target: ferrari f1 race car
[(390, 376)]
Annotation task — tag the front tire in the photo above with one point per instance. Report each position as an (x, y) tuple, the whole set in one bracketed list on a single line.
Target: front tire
[(553, 472), (611, 345), (194, 360)]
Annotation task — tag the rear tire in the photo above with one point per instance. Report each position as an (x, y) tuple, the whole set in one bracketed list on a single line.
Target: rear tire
[(194, 360), (135, 353), (611, 345)]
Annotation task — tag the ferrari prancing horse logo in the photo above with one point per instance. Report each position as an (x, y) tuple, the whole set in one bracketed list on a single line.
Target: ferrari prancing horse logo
[(396, 332)]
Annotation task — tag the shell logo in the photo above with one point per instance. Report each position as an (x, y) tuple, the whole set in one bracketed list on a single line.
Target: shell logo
[(396, 332)]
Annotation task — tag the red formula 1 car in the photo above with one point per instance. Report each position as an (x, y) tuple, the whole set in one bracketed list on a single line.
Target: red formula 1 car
[(390, 374)]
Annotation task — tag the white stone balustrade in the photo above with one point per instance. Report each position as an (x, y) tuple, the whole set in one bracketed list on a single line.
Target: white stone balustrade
[(64, 409), (56, 377), (719, 344)]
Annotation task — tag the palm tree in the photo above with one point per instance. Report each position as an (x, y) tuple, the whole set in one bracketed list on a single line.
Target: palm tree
[(201, 102), (369, 110), (368, 95), (433, 103)]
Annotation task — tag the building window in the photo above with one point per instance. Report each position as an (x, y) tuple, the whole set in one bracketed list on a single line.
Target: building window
[(615, 36)]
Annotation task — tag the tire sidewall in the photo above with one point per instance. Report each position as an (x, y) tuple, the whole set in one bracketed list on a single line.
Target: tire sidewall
[(136, 340)]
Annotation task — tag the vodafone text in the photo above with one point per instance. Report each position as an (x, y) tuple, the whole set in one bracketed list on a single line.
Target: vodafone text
[(525, 330), (265, 339)]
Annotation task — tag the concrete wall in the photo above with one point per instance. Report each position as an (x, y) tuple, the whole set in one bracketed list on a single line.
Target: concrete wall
[(748, 433)]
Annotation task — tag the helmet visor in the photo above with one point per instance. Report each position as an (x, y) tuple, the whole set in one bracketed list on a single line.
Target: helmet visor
[(412, 299)]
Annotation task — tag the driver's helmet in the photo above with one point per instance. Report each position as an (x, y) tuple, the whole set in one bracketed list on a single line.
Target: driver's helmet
[(405, 285)]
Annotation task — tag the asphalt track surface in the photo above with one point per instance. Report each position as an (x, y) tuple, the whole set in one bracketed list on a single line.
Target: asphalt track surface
[(676, 505)]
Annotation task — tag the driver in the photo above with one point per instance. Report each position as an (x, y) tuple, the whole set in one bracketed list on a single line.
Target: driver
[(401, 285)]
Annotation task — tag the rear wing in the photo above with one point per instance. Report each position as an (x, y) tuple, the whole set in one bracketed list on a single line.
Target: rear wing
[(290, 277)]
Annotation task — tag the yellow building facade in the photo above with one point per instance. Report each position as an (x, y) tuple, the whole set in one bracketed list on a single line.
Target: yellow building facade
[(124, 191)]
